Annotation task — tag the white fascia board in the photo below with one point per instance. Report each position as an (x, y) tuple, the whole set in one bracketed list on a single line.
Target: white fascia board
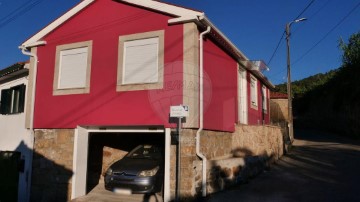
[(184, 19), (209, 23), (38, 36), (36, 43), (163, 7), (247, 63)]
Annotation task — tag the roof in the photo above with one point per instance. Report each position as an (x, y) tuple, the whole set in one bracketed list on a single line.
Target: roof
[(181, 15), (13, 70), (277, 95)]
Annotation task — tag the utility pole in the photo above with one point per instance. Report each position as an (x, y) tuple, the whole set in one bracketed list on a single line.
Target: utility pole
[(290, 113)]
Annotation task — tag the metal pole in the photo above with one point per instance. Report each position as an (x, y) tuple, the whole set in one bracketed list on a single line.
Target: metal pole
[(290, 115), (178, 163)]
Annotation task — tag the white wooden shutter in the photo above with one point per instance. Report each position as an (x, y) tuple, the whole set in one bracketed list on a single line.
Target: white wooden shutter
[(253, 91), (73, 68), (264, 98), (141, 61)]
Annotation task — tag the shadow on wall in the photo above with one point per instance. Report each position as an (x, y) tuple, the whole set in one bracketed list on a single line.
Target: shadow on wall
[(224, 175), (51, 181)]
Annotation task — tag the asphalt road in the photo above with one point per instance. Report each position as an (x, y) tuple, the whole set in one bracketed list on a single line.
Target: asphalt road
[(319, 167)]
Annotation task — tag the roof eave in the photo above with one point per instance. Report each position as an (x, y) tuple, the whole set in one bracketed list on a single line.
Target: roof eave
[(264, 79), (239, 55), (163, 7)]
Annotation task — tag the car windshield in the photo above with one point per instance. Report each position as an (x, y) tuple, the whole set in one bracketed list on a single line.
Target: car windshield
[(145, 151)]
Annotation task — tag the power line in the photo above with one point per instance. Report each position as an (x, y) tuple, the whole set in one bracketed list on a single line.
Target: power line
[(317, 11), (303, 11), (104, 26), (327, 34), (277, 47), (283, 34), (311, 16), (18, 12)]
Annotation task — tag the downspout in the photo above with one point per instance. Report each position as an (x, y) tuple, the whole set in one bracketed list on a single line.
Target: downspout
[(201, 124), (32, 107)]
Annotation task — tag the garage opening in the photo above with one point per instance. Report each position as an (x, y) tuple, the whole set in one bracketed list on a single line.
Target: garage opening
[(107, 148), (95, 148)]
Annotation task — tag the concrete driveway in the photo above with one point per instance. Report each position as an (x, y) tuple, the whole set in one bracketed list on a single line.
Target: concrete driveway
[(100, 194), (319, 167)]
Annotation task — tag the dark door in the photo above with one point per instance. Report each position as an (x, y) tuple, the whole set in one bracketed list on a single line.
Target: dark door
[(9, 175)]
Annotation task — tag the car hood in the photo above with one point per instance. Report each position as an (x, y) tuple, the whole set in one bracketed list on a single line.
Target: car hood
[(134, 165)]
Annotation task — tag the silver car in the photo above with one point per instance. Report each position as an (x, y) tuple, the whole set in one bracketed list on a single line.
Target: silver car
[(140, 171)]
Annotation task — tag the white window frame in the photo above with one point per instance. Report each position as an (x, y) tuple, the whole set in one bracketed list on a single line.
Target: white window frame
[(242, 96), (253, 92), (57, 90), (264, 101), (157, 83)]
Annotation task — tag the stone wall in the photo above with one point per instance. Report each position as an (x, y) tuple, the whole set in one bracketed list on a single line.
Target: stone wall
[(110, 156), (52, 165), (216, 144), (279, 110), (232, 157), (264, 141)]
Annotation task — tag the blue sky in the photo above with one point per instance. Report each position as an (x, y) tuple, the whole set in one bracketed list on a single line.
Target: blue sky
[(254, 26)]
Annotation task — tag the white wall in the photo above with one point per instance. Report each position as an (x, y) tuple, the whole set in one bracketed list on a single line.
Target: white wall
[(15, 137)]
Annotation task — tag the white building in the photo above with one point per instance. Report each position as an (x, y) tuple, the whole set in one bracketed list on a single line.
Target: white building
[(15, 138)]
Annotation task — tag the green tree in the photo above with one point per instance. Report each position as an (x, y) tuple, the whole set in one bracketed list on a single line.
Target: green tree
[(351, 55)]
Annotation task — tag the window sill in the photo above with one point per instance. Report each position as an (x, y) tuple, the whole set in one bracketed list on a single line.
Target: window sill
[(17, 113), (136, 87), (71, 91)]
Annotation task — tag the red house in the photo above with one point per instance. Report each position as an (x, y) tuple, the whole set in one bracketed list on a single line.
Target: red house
[(115, 67)]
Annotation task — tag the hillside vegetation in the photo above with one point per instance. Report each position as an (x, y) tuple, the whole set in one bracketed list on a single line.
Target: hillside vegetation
[(331, 100)]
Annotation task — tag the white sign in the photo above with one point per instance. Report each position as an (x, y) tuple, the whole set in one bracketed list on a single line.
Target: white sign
[(179, 111)]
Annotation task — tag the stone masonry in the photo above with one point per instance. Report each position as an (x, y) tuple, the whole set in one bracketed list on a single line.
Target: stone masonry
[(232, 157), (110, 156), (279, 110), (52, 165)]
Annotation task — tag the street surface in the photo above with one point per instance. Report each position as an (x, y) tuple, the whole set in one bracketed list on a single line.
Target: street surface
[(319, 167)]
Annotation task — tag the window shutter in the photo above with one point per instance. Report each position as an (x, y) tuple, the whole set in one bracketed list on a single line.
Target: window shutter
[(264, 98), (22, 98), (5, 101), (253, 91), (73, 68), (141, 61)]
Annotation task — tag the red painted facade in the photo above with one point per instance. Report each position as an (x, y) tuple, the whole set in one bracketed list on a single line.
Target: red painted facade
[(221, 112), (256, 114), (103, 22), (103, 105)]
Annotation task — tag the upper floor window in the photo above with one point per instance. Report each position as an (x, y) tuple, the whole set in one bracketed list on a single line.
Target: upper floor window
[(141, 60), (72, 68), (264, 100), (13, 100), (253, 91)]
